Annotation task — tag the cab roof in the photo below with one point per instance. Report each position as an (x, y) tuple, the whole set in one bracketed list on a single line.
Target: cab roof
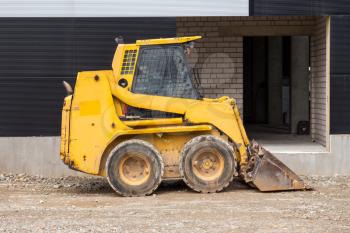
[(175, 40)]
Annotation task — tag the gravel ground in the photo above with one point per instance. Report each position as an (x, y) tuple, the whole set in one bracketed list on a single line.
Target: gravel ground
[(88, 204)]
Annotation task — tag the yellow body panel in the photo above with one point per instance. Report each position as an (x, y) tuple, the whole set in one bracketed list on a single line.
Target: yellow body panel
[(65, 129), (117, 63), (175, 40), (90, 132)]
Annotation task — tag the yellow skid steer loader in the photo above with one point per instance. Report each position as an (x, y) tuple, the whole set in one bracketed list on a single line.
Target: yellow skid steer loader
[(144, 121)]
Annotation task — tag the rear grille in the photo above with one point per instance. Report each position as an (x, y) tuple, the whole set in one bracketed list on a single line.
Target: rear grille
[(129, 62)]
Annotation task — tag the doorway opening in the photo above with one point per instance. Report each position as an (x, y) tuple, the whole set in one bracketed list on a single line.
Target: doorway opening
[(276, 88)]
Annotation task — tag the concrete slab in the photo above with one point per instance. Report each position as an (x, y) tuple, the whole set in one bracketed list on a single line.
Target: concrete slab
[(40, 155), (33, 156), (288, 143)]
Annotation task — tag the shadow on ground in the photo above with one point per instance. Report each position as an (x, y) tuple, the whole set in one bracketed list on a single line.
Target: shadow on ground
[(101, 186)]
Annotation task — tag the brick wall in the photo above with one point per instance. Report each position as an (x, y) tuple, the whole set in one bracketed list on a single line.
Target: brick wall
[(218, 60), (318, 105)]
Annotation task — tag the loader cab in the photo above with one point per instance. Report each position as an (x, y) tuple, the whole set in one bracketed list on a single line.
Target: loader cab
[(157, 67), (162, 70)]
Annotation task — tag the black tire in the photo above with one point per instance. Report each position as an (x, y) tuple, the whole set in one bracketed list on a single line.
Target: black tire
[(141, 155), (205, 147)]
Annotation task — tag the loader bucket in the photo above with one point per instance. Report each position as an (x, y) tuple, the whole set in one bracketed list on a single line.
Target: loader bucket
[(270, 174)]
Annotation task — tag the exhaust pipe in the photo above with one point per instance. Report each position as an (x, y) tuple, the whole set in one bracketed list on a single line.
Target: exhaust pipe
[(68, 88)]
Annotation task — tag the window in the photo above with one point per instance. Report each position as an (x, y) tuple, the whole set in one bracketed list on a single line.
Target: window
[(163, 71)]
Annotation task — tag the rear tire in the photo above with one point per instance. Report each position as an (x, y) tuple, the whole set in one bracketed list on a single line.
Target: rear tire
[(207, 164), (134, 168)]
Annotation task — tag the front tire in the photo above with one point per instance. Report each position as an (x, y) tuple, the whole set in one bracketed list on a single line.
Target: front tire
[(207, 164), (134, 168)]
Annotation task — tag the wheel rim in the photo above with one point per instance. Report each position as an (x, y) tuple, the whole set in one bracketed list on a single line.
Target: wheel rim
[(208, 164), (134, 169)]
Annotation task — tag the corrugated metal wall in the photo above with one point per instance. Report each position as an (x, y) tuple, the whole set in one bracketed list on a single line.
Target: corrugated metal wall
[(36, 54), (299, 7), (340, 75)]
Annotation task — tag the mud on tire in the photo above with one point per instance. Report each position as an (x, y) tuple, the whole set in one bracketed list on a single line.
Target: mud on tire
[(207, 164), (134, 168)]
